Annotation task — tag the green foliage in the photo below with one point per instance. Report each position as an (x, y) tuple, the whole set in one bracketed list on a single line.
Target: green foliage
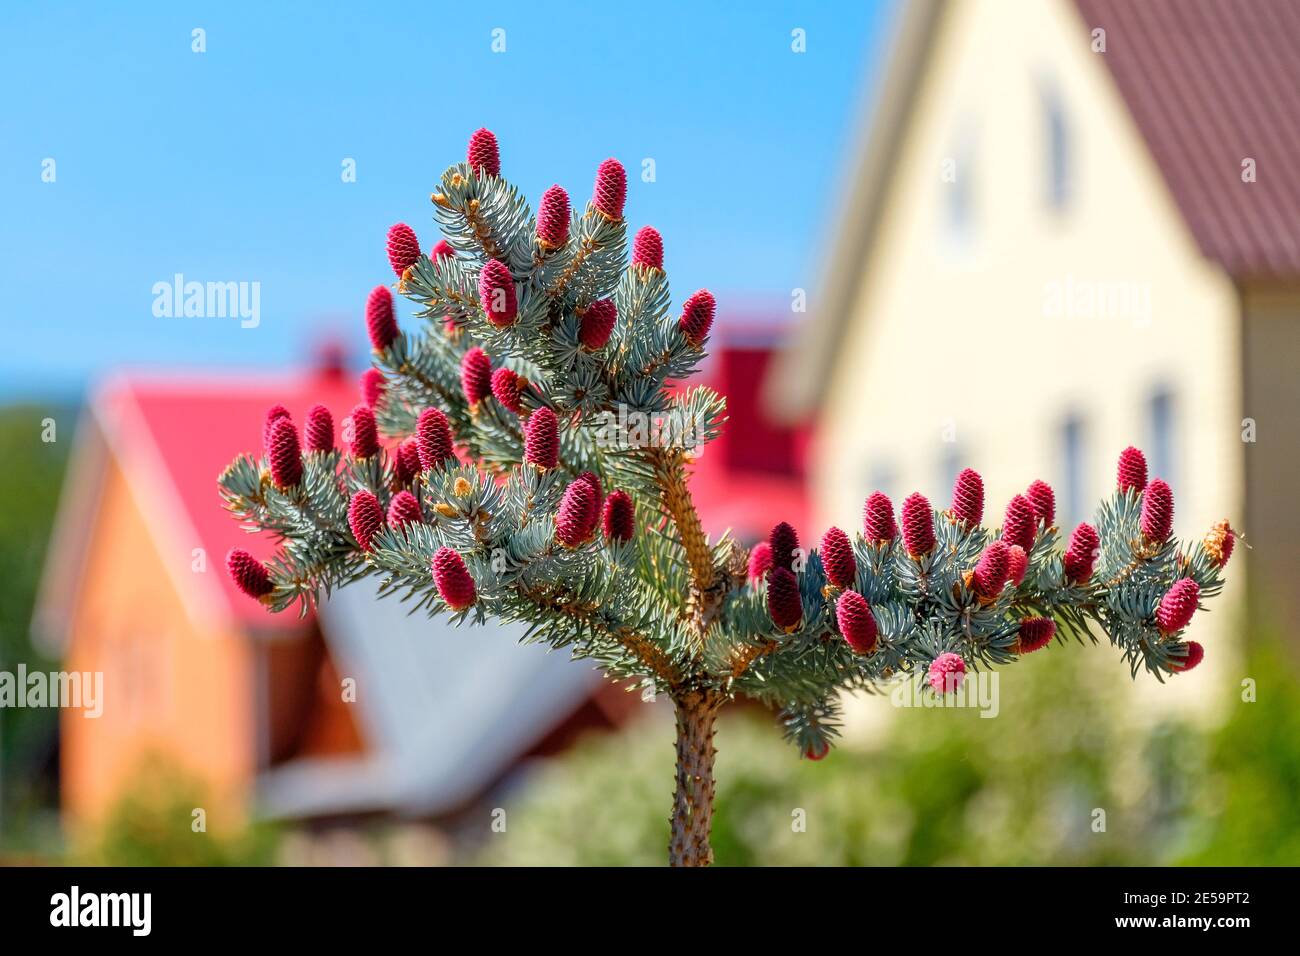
[(947, 787)]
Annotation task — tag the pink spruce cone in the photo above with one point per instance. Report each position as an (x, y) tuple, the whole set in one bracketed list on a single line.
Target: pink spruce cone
[(285, 454), (1081, 555), (784, 541), (553, 218), (857, 623), (381, 324), (946, 673), (319, 430), (648, 248), (476, 375), (496, 292), (1220, 542), (837, 558), (441, 250), (404, 509), (990, 574), (273, 414), (760, 561), (1195, 654), (406, 463), (1157, 511), (373, 385), (484, 156), (697, 317), (968, 498), (365, 518), (1035, 634), (433, 439), (597, 493), (878, 518), (453, 580), (783, 602), (403, 248), (542, 439), (365, 433), (619, 518), (1020, 523), (575, 521), (918, 525), (1177, 606), (817, 751), (249, 574), (1043, 499), (1017, 565), (597, 324), (610, 193), (1132, 471), (506, 388)]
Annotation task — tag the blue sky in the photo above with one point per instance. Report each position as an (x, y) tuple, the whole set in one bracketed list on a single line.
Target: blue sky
[(225, 165)]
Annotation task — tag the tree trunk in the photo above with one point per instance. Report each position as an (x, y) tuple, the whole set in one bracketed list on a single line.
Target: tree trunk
[(693, 800)]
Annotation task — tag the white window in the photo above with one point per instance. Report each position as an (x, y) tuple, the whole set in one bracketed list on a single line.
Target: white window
[(1160, 442), (1072, 500), (1056, 136)]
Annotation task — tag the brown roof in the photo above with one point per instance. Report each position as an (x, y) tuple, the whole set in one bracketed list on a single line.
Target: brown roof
[(1211, 83)]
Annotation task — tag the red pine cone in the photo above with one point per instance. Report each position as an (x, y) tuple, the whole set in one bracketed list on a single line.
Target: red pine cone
[(784, 541), (968, 498), (453, 580), (1035, 634), (760, 561), (597, 324), (496, 291), (878, 518), (1195, 654), (990, 574), (837, 558), (1177, 606), (476, 375), (273, 414), (918, 525), (783, 601), (857, 623), (406, 463), (1081, 555), (403, 248), (1017, 564), (542, 439), (365, 434), (1020, 524), (285, 454), (249, 574), (484, 156), (946, 673), (1220, 542), (319, 430), (505, 386), (597, 493), (575, 521), (441, 250), (697, 317), (373, 385), (648, 248), (619, 519), (1157, 511), (817, 751), (610, 193), (365, 518), (553, 218), (1132, 470), (404, 509), (380, 321), (1043, 499), (433, 439)]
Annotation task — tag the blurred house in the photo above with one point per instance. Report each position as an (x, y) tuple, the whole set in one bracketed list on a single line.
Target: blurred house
[(1071, 227), (357, 710)]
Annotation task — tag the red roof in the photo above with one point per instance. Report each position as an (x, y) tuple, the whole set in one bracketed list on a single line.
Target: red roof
[(1211, 84)]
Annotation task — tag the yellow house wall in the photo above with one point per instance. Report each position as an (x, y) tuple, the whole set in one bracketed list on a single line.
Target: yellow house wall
[(951, 335)]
